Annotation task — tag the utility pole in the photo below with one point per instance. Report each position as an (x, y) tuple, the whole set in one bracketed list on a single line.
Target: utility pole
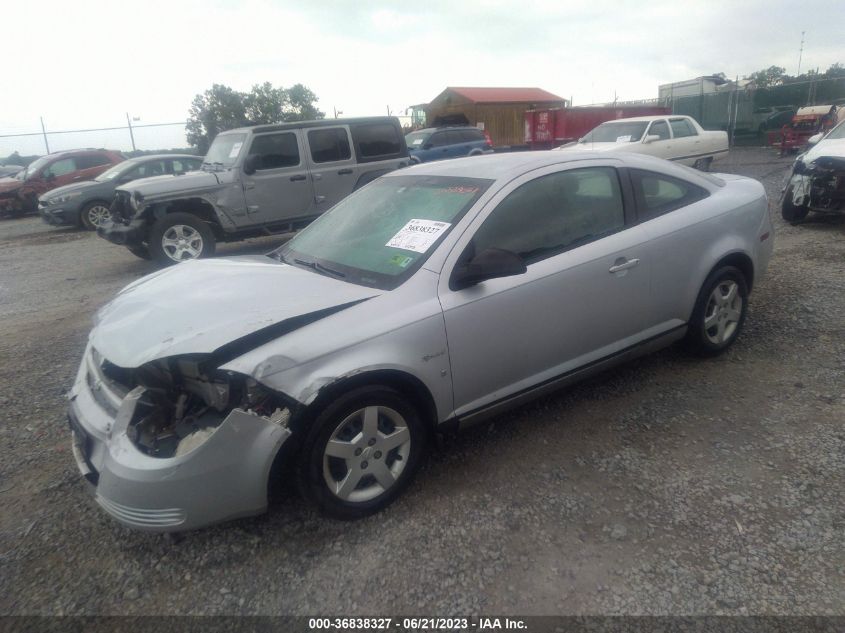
[(131, 135), (800, 53), (44, 132)]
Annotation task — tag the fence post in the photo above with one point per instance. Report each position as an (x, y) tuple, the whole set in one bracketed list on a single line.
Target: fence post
[(44, 132)]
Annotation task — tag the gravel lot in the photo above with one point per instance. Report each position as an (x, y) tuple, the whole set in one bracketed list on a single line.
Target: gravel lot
[(669, 486)]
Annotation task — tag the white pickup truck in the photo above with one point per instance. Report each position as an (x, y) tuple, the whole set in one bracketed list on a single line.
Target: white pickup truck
[(675, 137)]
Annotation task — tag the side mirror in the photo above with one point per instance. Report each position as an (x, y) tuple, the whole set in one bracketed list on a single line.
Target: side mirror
[(490, 263), (251, 164), (49, 177), (650, 138), (427, 146), (815, 138)]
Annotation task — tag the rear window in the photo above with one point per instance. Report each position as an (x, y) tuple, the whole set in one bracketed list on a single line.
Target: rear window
[(91, 160), (472, 135), (376, 141)]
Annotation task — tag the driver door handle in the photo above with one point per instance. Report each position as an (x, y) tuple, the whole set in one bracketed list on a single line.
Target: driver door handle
[(297, 177), (623, 264), (343, 172)]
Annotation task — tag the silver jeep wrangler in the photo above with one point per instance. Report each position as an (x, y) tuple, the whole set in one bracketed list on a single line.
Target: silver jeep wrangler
[(254, 181)]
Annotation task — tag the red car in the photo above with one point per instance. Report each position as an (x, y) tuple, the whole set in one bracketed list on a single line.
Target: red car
[(19, 193)]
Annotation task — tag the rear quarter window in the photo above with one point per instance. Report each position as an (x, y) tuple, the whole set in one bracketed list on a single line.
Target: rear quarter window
[(378, 141), (658, 194)]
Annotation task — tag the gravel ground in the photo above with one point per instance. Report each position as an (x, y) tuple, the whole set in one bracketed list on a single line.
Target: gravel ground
[(671, 485)]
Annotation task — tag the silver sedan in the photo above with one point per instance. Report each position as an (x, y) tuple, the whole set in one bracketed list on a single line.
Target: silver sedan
[(429, 300)]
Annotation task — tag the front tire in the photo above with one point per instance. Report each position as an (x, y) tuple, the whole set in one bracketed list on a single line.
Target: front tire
[(719, 312), (94, 215), (360, 453), (791, 212), (179, 237)]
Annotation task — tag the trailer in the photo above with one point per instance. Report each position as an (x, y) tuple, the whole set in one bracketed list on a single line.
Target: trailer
[(547, 129)]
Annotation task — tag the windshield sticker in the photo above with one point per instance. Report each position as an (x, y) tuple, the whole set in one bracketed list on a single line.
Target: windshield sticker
[(401, 260), (417, 141), (623, 139), (235, 149), (418, 235), (459, 189)]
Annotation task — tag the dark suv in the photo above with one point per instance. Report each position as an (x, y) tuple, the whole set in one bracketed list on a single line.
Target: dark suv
[(19, 194), (435, 143)]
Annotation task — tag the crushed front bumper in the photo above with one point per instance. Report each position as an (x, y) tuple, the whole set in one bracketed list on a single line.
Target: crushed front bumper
[(223, 478), (132, 234)]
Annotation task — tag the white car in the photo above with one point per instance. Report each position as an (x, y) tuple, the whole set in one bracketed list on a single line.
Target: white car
[(676, 138), (817, 182)]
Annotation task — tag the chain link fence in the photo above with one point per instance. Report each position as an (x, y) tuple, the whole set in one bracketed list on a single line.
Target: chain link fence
[(127, 138)]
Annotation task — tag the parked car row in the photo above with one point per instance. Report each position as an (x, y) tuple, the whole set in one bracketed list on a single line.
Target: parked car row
[(19, 193)]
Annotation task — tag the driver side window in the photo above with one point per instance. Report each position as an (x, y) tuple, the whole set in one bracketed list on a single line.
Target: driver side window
[(661, 129), (60, 168), (554, 213)]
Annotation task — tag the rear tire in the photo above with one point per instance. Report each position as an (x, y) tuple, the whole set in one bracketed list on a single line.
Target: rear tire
[(719, 312), (361, 452), (179, 237), (791, 212), (703, 164)]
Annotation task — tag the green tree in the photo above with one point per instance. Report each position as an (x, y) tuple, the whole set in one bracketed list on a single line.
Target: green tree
[(300, 106), (836, 70), (222, 108), (771, 76)]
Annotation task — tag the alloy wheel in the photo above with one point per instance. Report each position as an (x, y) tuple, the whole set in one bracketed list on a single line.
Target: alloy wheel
[(723, 312), (98, 215), (181, 242), (366, 453)]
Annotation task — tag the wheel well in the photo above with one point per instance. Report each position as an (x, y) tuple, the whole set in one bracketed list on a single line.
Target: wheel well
[(195, 206), (406, 384), (741, 261)]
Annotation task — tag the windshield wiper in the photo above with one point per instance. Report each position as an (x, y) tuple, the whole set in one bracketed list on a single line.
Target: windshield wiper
[(319, 267)]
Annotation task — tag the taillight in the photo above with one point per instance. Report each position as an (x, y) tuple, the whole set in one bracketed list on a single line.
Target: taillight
[(488, 139)]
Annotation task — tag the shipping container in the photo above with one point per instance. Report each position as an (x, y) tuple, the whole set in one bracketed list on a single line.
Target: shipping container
[(547, 129)]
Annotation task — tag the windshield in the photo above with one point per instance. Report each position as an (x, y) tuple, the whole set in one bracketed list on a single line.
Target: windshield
[(224, 150), (114, 172), (617, 132), (33, 168), (416, 139), (837, 132), (381, 234)]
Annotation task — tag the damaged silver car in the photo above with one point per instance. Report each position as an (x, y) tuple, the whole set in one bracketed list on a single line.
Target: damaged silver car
[(817, 182), (429, 300)]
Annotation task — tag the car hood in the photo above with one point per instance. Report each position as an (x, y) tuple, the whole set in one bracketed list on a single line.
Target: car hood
[(8, 185), (163, 185), (198, 307), (826, 147), (76, 186)]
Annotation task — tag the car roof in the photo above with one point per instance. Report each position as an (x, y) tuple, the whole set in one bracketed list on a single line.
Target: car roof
[(139, 159), (294, 125), (81, 150), (446, 127), (651, 117), (506, 166)]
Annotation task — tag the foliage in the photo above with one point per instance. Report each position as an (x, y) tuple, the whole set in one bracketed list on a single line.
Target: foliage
[(771, 76), (222, 108)]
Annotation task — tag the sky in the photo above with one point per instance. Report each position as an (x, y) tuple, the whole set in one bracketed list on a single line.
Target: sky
[(88, 64)]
